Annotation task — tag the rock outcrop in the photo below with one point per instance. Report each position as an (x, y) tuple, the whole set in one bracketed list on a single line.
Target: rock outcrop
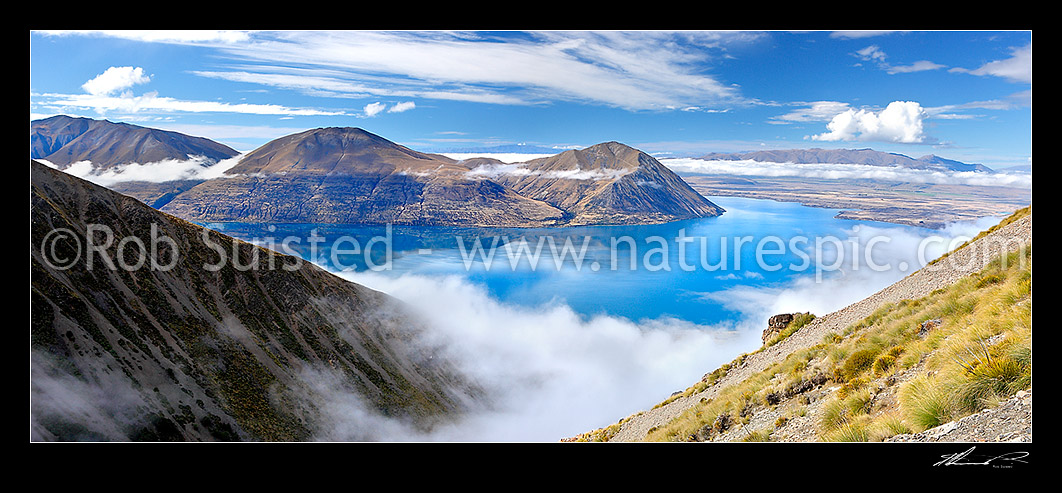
[(776, 324)]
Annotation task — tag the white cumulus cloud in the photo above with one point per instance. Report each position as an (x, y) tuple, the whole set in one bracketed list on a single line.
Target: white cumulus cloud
[(372, 109), (115, 79), (900, 121), (404, 106)]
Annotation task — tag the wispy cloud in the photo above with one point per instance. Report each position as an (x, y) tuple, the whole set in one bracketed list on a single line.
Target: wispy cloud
[(817, 111), (919, 66), (223, 133), (871, 53), (875, 54), (1017, 68), (631, 70), (160, 36), (1020, 99), (100, 97), (860, 34), (151, 101)]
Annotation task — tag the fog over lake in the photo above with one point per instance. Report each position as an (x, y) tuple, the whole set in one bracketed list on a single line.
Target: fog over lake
[(572, 329)]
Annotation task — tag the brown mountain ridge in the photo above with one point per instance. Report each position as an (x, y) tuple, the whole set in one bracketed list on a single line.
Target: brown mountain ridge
[(349, 175)]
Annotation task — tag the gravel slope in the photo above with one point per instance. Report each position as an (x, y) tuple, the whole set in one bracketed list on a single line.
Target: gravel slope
[(967, 260)]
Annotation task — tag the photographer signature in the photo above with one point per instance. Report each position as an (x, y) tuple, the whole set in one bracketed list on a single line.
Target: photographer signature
[(966, 459)]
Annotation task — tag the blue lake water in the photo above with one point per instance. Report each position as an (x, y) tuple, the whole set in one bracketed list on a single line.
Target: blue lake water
[(575, 345), (675, 264)]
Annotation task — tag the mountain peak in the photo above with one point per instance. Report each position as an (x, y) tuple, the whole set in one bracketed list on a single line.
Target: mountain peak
[(606, 155), (332, 149), (345, 135), (610, 183), (611, 146)]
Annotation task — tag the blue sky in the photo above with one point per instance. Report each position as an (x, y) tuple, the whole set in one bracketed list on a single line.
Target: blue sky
[(964, 95)]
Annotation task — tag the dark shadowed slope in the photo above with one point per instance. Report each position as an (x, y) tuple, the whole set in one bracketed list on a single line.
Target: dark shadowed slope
[(180, 351)]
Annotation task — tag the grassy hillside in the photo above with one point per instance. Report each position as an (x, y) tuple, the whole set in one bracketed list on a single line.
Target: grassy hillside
[(909, 366)]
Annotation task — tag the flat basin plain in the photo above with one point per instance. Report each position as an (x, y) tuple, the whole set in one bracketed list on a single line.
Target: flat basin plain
[(930, 205)]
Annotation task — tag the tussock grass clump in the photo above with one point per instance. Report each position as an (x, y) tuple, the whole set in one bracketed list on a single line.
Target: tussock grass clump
[(988, 280), (858, 362), (925, 403), (763, 435), (887, 426), (849, 431), (886, 361), (839, 411), (989, 375)]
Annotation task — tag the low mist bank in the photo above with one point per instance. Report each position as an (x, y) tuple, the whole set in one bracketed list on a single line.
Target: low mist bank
[(551, 372)]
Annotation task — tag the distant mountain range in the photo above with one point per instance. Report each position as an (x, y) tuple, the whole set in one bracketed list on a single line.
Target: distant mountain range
[(498, 149), (868, 157), (187, 353), (349, 175), (64, 140)]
